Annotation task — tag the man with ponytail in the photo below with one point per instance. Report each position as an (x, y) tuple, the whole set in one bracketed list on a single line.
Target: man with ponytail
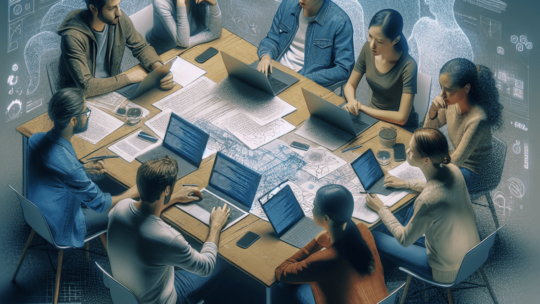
[(443, 212), (348, 270), (390, 72)]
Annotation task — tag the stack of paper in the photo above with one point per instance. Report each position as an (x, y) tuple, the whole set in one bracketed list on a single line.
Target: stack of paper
[(110, 101), (185, 72), (100, 124), (132, 146)]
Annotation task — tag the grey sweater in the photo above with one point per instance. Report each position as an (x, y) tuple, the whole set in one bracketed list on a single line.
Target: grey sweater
[(443, 211), (173, 27)]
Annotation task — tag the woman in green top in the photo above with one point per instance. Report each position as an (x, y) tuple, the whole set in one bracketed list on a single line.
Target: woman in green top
[(390, 72)]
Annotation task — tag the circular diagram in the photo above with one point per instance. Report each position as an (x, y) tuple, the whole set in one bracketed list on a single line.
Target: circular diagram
[(519, 47), (516, 147), (516, 187), (14, 109), (523, 39), (514, 39), (15, 67), (12, 80), (17, 10), (529, 45)]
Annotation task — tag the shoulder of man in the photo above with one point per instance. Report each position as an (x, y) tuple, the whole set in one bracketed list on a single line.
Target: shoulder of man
[(338, 13)]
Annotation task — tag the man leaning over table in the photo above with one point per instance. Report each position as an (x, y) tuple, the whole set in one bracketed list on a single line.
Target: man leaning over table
[(144, 250), (93, 44), (311, 37), (58, 184)]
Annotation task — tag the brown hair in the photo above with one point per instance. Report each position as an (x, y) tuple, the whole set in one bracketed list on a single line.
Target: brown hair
[(432, 143), (154, 176)]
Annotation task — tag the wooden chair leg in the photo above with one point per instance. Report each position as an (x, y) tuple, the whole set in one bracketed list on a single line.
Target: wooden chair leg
[(28, 242), (404, 296), (493, 211), (58, 272), (450, 299), (87, 252), (103, 238)]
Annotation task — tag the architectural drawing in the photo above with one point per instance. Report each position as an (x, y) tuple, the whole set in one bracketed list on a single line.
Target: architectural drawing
[(497, 6), (15, 32), (516, 187), (320, 162), (434, 42), (14, 110), (32, 105)]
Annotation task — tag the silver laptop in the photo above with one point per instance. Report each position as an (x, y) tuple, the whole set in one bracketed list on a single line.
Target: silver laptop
[(287, 217), (329, 125), (151, 81), (274, 84)]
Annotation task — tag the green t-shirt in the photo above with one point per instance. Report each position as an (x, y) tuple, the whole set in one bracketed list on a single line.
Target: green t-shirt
[(387, 87)]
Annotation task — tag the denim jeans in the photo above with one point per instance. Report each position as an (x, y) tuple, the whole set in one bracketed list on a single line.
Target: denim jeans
[(403, 216), (293, 293), (94, 221), (473, 182)]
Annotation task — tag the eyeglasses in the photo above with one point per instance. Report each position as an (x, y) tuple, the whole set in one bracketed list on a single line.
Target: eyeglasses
[(87, 113), (270, 194)]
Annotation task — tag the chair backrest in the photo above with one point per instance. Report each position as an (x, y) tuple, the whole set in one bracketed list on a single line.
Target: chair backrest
[(34, 218), (143, 20), (498, 157), (421, 100), (476, 257), (354, 10), (119, 293), (391, 299)]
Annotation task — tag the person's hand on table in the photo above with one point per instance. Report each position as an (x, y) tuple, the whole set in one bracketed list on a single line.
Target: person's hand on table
[(95, 167), (394, 182), (219, 216), (136, 76), (167, 83), (374, 202), (353, 107), (265, 65), (211, 2), (186, 195)]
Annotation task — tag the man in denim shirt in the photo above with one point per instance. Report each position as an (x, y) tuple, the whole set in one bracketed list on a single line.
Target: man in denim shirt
[(312, 37), (58, 183)]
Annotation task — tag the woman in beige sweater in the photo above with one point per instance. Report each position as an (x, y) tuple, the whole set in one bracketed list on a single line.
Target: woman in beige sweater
[(443, 212)]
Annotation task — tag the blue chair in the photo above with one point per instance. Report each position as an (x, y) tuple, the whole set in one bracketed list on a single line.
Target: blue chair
[(473, 261), (391, 299), (35, 219), (119, 292)]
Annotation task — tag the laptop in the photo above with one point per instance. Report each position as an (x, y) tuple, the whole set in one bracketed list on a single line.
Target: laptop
[(230, 183), (274, 84), (151, 81), (184, 142), (370, 174), (287, 218), (329, 125)]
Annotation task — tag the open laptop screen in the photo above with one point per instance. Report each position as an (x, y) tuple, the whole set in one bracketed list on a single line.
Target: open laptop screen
[(283, 210), (367, 169), (234, 179), (185, 139)]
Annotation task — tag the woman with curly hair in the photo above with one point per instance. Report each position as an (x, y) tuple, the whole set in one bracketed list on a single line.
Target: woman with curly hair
[(469, 106)]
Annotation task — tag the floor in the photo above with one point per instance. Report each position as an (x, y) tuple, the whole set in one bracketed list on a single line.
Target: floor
[(82, 283)]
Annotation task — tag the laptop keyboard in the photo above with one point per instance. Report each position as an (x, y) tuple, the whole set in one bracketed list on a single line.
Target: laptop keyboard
[(276, 85), (302, 233), (359, 125)]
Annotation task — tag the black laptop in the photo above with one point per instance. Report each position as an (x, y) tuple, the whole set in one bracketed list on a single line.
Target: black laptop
[(370, 174)]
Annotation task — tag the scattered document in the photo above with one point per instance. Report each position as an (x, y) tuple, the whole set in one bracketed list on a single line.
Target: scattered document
[(184, 72), (145, 112), (249, 132), (323, 133), (320, 162), (110, 101), (185, 97), (100, 125), (132, 146), (262, 107)]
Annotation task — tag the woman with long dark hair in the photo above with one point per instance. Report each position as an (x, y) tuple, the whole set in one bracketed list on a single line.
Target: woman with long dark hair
[(184, 23), (443, 212), (390, 72), (348, 270)]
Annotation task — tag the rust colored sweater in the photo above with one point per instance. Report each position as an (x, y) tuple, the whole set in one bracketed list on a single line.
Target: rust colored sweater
[(331, 277)]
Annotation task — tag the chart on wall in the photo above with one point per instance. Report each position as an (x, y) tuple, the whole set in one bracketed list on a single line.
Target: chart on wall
[(33, 44)]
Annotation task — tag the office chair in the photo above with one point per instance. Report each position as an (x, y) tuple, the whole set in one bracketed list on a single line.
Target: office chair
[(421, 100), (391, 298), (35, 219), (119, 293), (473, 261)]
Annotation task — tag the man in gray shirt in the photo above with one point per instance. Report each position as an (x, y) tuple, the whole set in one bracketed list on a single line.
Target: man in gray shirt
[(144, 250)]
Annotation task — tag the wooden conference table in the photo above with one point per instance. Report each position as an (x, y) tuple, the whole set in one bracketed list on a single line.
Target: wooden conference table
[(261, 259)]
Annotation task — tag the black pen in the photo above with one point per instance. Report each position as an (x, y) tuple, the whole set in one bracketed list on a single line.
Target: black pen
[(190, 185), (353, 148), (97, 158)]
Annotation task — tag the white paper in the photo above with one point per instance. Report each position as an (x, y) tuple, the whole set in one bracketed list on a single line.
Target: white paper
[(262, 107), (320, 162), (184, 98), (145, 112), (110, 101), (100, 125), (184, 72), (250, 133), (132, 146)]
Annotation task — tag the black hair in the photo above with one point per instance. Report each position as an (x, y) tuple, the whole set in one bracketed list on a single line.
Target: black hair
[(432, 143), (391, 23), (338, 204), (199, 13), (154, 176), (99, 4), (65, 104), (483, 90)]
